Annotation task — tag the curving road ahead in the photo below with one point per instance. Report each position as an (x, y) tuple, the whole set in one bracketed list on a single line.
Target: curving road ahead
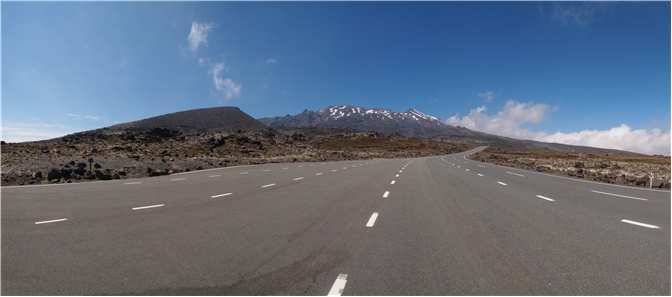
[(426, 226)]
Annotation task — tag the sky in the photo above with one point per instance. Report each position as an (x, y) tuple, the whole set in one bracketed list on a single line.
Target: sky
[(581, 73)]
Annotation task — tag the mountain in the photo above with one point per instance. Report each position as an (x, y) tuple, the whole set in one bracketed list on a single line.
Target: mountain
[(215, 119), (410, 123), (413, 123)]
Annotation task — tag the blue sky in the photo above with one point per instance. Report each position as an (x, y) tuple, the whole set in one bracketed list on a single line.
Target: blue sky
[(587, 73)]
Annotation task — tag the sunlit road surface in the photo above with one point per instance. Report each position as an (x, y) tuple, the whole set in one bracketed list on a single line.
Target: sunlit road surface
[(425, 226)]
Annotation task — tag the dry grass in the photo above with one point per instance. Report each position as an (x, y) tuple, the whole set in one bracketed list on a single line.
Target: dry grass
[(372, 143)]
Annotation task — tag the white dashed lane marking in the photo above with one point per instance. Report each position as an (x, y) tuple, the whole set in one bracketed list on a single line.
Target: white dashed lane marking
[(479, 174), (386, 193), (221, 195), (284, 168), (52, 221), (269, 185), (298, 178), (640, 224), (145, 207), (392, 183), (334, 170), (542, 197), (339, 285), (244, 172), (466, 169), (397, 175), (319, 173), (372, 220), (501, 183), (618, 195)]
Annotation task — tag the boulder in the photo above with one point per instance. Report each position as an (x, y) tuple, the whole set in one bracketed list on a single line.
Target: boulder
[(631, 179), (579, 175), (37, 174), (90, 176), (136, 157), (656, 183), (665, 186), (158, 173), (604, 166), (121, 172), (187, 170), (71, 162), (571, 173), (199, 167), (149, 170), (102, 176), (579, 165), (66, 172), (79, 171), (54, 174), (616, 166), (116, 176), (621, 180), (97, 165), (81, 165)]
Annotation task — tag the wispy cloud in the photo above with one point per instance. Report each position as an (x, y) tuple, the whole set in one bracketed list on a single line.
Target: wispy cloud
[(507, 123), (579, 14), (271, 61), (227, 85), (198, 34), (488, 95), (21, 132), (79, 117)]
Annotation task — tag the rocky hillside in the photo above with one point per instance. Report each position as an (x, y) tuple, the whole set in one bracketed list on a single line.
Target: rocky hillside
[(622, 170), (216, 119), (125, 154)]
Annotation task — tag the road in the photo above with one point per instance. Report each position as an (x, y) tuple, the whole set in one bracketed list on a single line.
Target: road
[(440, 225)]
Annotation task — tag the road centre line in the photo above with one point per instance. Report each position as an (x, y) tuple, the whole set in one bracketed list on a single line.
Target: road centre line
[(372, 220), (515, 174), (392, 183), (133, 183), (52, 221), (334, 170), (542, 197), (479, 174), (466, 169), (298, 178), (151, 206), (215, 175), (339, 285), (640, 224), (221, 195), (345, 167), (174, 179), (501, 183), (397, 175), (269, 185), (618, 195), (399, 170), (319, 173), (386, 193)]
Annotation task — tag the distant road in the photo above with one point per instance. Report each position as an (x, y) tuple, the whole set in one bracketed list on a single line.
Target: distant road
[(425, 226)]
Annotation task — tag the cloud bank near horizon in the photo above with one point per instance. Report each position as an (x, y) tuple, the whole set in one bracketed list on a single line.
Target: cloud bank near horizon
[(507, 123)]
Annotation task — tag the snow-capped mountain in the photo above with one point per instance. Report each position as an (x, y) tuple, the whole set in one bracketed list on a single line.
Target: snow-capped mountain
[(411, 123)]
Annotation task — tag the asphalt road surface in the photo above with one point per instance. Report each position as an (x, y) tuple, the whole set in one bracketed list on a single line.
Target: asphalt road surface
[(425, 226)]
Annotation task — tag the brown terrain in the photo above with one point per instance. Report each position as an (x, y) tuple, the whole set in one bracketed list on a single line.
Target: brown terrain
[(622, 170), (123, 154)]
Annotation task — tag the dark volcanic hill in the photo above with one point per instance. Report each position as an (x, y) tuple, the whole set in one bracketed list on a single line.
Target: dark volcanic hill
[(215, 119), (413, 123)]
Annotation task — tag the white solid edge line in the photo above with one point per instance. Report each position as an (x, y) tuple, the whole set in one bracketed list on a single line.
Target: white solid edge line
[(151, 206), (515, 174), (221, 195), (269, 185), (640, 224), (501, 183), (339, 285), (177, 179), (481, 166), (542, 197), (479, 174), (133, 183), (372, 220), (617, 195), (298, 178), (52, 221), (215, 175), (386, 193), (392, 183)]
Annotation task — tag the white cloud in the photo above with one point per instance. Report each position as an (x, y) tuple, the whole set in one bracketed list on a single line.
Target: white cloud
[(271, 61), (227, 85), (21, 132), (507, 123), (488, 95), (198, 35), (575, 14), (79, 117)]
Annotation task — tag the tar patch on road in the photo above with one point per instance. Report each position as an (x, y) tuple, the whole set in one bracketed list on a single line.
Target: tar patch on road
[(272, 283)]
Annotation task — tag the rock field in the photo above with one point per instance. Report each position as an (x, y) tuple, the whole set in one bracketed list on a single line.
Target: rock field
[(126, 154), (623, 170)]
